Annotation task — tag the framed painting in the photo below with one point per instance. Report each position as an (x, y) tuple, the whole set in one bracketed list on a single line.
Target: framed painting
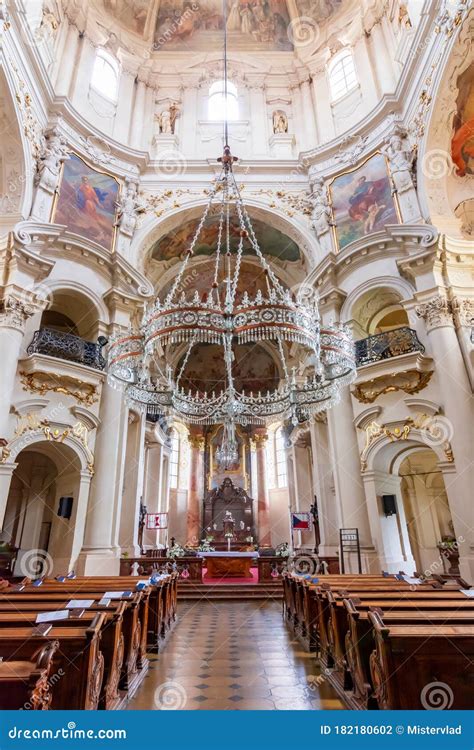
[(362, 201), (462, 143), (87, 202)]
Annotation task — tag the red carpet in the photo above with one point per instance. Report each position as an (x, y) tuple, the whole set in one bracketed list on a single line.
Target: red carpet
[(208, 579)]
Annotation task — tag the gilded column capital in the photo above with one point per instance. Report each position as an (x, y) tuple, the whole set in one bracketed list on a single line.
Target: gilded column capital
[(15, 312), (436, 312), (260, 439), (197, 441)]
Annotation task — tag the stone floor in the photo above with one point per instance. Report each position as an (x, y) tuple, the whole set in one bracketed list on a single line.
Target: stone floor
[(233, 656)]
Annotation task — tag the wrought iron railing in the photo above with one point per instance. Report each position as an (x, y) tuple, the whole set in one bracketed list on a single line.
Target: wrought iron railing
[(386, 345), (67, 346)]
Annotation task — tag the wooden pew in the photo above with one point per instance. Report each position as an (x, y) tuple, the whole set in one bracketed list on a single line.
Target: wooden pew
[(359, 642), (78, 661), (112, 644), (407, 659), (130, 626), (26, 684)]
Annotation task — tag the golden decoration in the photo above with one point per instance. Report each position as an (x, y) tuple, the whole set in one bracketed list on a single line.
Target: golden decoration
[(31, 423), (410, 381), (422, 422), (42, 382)]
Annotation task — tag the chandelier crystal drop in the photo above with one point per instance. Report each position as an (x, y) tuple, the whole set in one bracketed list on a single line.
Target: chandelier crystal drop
[(173, 326)]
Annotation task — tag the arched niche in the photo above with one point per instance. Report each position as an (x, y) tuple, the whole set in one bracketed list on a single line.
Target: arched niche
[(16, 163), (446, 155)]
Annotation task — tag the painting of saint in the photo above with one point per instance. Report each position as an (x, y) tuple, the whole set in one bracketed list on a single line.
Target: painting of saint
[(362, 201), (462, 144), (87, 202), (259, 24)]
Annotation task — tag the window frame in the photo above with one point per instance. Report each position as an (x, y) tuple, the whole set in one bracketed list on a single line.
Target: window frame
[(338, 65), (175, 451), (107, 59), (215, 94)]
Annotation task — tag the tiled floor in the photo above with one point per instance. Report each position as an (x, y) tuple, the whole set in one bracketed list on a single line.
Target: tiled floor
[(233, 655)]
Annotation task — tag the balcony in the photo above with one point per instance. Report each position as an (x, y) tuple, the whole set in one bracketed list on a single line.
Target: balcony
[(68, 347), (386, 345)]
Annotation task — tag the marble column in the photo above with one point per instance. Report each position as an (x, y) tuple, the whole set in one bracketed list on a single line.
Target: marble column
[(350, 495), (98, 555), (13, 316), (196, 488), (264, 528), (132, 491), (6, 473), (453, 431), (136, 129), (152, 488), (66, 69), (329, 522)]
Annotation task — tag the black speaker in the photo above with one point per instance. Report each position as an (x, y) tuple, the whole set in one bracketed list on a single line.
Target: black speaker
[(389, 503), (65, 507)]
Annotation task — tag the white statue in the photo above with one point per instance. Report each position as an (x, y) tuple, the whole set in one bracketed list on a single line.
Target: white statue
[(280, 122), (129, 207), (167, 119), (321, 215), (54, 152), (401, 159)]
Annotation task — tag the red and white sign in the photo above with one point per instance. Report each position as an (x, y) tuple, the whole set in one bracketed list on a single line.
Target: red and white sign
[(157, 520)]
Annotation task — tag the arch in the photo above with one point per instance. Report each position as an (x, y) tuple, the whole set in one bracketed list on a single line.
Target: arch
[(400, 286), (95, 309), (36, 438), (385, 454), (152, 231), (441, 188), (21, 179)]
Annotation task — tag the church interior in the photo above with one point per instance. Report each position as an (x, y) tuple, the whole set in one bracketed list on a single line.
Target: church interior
[(237, 354)]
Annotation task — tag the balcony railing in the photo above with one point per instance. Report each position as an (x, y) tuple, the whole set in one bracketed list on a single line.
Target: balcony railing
[(67, 346), (386, 345), (161, 420)]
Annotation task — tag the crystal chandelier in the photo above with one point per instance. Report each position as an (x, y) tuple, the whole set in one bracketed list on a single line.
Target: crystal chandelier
[(139, 359)]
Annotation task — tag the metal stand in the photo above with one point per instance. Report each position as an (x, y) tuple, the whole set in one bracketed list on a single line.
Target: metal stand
[(349, 542)]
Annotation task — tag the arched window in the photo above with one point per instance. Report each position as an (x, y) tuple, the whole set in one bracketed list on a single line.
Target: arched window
[(280, 454), (218, 108), (174, 459), (105, 75), (342, 74)]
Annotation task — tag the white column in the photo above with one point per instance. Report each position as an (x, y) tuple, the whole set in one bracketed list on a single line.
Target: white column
[(329, 522), (152, 488), (309, 113), (68, 62), (13, 317), (136, 130), (124, 109), (350, 495), (98, 555), (365, 75), (79, 89), (78, 521), (132, 485), (456, 424), (6, 473), (258, 118)]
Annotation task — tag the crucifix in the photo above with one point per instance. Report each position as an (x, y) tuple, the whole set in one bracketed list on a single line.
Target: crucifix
[(315, 515)]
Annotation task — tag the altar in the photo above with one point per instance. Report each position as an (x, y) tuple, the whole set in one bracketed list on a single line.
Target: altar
[(228, 564)]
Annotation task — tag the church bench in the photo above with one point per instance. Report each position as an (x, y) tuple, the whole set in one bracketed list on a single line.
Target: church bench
[(407, 659), (78, 660), (26, 684), (134, 658), (356, 649), (112, 643)]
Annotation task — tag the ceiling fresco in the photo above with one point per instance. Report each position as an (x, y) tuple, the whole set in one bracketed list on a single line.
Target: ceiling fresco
[(200, 277), (259, 25), (254, 369), (273, 243)]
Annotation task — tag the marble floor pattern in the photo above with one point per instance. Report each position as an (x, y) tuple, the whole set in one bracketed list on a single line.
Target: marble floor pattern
[(233, 656)]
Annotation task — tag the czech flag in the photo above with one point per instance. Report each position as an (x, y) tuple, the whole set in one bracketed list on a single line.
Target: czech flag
[(301, 521)]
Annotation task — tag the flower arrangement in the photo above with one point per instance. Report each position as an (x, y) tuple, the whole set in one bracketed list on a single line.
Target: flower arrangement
[(176, 551), (205, 546), (446, 543), (283, 550)]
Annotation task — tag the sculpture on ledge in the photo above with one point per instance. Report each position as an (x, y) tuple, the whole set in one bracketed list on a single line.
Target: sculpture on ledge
[(280, 122)]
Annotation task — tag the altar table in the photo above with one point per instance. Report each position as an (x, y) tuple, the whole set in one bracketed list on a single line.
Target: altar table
[(229, 564)]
